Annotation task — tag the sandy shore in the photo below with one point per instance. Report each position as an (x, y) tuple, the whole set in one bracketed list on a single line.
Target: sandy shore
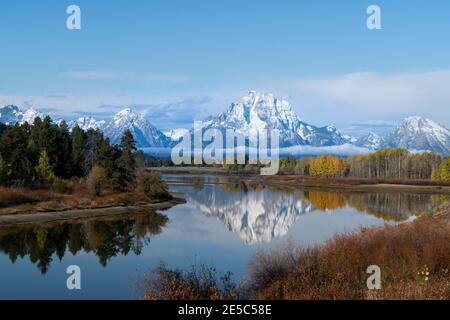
[(45, 217)]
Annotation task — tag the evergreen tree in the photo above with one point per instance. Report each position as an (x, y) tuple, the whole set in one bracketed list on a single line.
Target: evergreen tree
[(63, 165), (44, 170), (78, 147), (91, 147), (13, 147), (126, 164), (3, 170)]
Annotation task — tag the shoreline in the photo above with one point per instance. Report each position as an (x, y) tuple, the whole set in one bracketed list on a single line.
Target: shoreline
[(291, 181), (52, 216), (380, 187)]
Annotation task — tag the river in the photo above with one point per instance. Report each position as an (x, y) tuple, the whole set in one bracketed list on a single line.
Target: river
[(224, 222)]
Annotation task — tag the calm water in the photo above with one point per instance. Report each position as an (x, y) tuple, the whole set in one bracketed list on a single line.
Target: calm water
[(224, 222)]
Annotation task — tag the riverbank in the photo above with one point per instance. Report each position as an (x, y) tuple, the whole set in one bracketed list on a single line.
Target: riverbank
[(52, 216), (293, 181), (288, 181)]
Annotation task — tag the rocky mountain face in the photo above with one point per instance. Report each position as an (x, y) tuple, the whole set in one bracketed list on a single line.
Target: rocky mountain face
[(12, 114), (176, 134), (145, 134), (371, 141), (419, 133), (86, 123), (262, 111)]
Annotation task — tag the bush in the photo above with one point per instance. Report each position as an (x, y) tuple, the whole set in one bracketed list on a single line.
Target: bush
[(61, 186), (96, 181), (151, 184), (200, 283)]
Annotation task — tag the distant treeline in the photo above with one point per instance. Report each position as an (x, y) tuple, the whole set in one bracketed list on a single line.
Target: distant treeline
[(383, 164)]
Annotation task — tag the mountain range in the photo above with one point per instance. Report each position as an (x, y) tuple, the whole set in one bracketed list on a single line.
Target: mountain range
[(257, 111)]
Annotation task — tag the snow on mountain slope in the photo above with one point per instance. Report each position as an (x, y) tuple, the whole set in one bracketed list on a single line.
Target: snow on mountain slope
[(371, 141), (145, 134), (87, 123), (262, 111), (176, 134), (12, 114), (419, 133)]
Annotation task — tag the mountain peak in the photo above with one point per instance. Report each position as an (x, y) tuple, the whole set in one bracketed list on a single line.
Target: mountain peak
[(371, 141), (258, 111), (11, 114), (145, 134), (420, 133)]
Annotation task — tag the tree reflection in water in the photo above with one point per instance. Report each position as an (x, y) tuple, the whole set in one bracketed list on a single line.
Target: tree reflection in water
[(106, 237)]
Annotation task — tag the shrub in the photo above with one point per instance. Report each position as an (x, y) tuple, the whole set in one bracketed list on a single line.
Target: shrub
[(61, 186), (96, 181), (199, 283), (151, 184)]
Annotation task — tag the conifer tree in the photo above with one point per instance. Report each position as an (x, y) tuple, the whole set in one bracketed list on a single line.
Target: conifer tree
[(44, 170)]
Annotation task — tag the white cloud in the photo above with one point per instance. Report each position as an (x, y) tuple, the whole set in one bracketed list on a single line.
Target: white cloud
[(343, 150), (401, 91)]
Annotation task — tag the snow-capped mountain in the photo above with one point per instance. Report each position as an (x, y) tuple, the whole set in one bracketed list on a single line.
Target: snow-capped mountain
[(262, 111), (256, 216), (145, 134), (419, 133), (87, 123), (176, 134), (12, 114), (371, 141)]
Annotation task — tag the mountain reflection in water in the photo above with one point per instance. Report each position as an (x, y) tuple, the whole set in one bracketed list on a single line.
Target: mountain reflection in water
[(258, 214)]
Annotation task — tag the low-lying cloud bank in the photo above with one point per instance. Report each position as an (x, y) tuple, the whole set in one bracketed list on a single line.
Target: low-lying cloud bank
[(341, 150)]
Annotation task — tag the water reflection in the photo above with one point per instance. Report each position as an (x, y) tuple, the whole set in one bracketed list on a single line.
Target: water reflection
[(105, 237), (258, 214)]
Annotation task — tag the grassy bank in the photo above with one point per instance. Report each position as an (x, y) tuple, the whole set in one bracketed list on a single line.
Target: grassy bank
[(78, 195), (414, 259), (351, 184)]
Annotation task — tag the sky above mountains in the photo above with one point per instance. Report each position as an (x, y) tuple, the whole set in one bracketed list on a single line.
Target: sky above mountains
[(177, 61)]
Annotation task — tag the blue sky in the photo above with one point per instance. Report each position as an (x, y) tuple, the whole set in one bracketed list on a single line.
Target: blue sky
[(182, 60)]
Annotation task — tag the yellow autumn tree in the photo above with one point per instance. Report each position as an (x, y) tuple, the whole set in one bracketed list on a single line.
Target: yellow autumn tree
[(328, 166), (444, 169)]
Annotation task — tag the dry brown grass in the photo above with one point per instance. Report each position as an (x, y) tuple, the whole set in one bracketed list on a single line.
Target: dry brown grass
[(17, 200), (13, 196), (337, 270)]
